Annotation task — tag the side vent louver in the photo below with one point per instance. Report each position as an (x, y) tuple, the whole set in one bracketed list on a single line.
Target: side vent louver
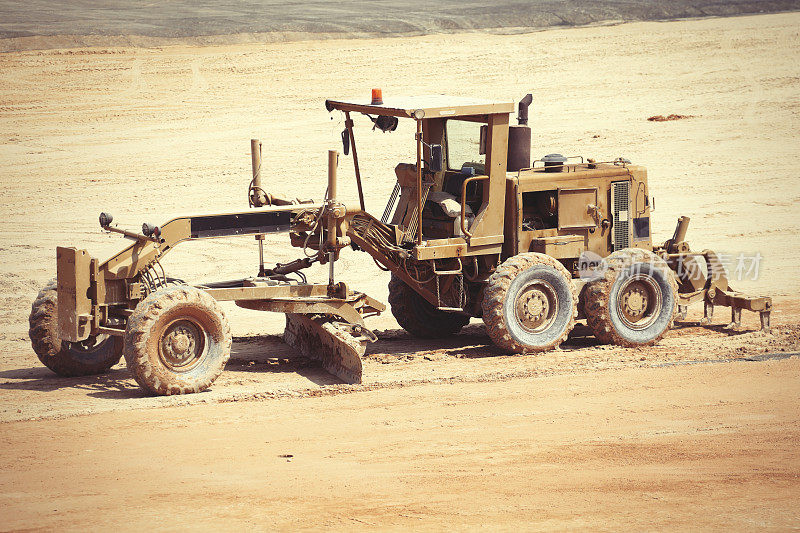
[(620, 236)]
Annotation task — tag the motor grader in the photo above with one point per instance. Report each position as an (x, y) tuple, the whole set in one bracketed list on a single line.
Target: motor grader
[(472, 228)]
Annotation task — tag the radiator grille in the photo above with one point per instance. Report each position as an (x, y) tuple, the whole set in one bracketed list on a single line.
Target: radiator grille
[(620, 237)]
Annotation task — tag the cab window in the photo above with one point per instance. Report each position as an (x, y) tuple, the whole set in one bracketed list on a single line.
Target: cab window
[(463, 143)]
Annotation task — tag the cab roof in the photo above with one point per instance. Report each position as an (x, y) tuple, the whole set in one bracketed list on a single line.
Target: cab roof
[(434, 106)]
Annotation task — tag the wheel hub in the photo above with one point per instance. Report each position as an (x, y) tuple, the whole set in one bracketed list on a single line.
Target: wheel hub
[(639, 303), (535, 306), (635, 300), (181, 345)]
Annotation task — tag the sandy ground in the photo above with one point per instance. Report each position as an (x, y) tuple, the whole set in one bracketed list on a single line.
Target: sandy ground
[(708, 447), (150, 133)]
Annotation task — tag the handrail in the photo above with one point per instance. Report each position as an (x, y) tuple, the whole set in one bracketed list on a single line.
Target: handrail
[(464, 202), (419, 181), (573, 167)]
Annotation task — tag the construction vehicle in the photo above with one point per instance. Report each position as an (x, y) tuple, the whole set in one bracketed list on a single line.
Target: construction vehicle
[(473, 228)]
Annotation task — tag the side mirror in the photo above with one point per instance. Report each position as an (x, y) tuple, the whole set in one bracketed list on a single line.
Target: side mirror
[(437, 158), (346, 141)]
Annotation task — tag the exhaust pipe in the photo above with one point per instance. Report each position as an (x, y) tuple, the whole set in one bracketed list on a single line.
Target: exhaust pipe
[(519, 139), (522, 114)]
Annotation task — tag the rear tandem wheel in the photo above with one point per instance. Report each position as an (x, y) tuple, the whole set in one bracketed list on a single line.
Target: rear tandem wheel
[(529, 304), (634, 302)]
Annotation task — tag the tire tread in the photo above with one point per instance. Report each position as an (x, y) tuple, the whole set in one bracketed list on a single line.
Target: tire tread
[(162, 381), (45, 341), (598, 293), (405, 304), (497, 288)]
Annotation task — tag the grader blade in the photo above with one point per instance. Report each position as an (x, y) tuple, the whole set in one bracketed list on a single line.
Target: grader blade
[(339, 346)]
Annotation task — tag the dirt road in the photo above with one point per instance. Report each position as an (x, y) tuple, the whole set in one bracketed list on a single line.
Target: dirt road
[(700, 447), (262, 367)]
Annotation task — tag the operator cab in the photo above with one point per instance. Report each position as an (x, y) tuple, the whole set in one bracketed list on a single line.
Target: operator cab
[(459, 177)]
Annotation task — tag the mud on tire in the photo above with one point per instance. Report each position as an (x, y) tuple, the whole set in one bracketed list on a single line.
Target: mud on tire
[(529, 304), (93, 356), (177, 341), (418, 317), (634, 301)]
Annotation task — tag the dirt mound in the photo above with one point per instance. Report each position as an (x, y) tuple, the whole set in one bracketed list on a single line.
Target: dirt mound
[(662, 118), (115, 23)]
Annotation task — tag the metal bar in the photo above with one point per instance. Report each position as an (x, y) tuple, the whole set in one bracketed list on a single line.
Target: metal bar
[(765, 321), (741, 301), (412, 227), (267, 292), (680, 230), (573, 167), (349, 125), (681, 255), (326, 306), (131, 234), (259, 198), (131, 260), (419, 181), (333, 162), (688, 299), (390, 204), (261, 270), (452, 271), (102, 330)]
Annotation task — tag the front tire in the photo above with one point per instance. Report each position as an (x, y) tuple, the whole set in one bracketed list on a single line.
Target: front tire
[(177, 341), (529, 304), (95, 355), (634, 302)]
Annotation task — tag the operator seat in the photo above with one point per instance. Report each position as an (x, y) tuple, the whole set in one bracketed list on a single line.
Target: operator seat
[(442, 212)]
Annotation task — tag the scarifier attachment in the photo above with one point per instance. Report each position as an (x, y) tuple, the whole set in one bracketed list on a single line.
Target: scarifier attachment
[(712, 288), (338, 345)]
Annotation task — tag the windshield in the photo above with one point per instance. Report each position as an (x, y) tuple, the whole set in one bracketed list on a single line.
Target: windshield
[(463, 143)]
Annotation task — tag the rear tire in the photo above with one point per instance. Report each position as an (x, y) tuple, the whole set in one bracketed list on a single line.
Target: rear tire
[(177, 341), (418, 317), (96, 355), (634, 302), (529, 304)]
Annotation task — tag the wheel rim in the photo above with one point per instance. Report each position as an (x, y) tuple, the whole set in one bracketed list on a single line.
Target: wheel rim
[(639, 302), (181, 345), (535, 306)]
